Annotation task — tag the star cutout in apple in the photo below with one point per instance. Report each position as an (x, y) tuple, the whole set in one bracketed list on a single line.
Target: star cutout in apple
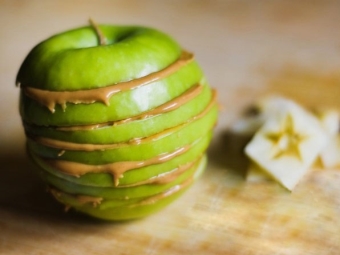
[(286, 141)]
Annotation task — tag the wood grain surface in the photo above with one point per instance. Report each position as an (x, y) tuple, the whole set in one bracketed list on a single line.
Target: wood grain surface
[(247, 49)]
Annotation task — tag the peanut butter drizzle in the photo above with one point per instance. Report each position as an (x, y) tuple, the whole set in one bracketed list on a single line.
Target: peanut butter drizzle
[(103, 94), (95, 201), (116, 169), (167, 107), (64, 145), (167, 193), (164, 178)]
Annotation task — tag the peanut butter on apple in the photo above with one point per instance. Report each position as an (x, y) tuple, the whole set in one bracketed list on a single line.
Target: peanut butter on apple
[(153, 199), (95, 201), (64, 145), (164, 178), (51, 98), (167, 107), (116, 169)]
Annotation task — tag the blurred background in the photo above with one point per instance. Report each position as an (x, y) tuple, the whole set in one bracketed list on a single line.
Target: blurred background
[(246, 48)]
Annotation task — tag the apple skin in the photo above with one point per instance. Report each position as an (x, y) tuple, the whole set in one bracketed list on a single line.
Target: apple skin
[(73, 60)]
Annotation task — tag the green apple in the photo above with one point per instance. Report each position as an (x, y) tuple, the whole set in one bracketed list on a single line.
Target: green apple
[(90, 105)]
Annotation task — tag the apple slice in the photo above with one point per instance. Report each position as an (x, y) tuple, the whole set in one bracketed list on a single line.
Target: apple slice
[(126, 192), (288, 144), (110, 209), (117, 132), (141, 174), (120, 105), (141, 149)]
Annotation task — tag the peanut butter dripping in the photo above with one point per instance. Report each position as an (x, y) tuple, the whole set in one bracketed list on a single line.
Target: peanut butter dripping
[(51, 98), (95, 201), (167, 107), (167, 193), (64, 145), (163, 178), (116, 169)]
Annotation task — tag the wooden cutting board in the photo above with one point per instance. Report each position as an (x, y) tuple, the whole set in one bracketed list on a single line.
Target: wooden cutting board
[(279, 47)]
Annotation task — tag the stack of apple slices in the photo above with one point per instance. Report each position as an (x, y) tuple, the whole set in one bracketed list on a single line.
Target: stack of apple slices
[(120, 130), (288, 140)]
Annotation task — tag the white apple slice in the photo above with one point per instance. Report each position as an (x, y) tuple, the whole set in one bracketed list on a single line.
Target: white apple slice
[(288, 143)]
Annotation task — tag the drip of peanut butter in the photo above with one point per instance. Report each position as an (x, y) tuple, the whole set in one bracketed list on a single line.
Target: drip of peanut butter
[(166, 177), (95, 201), (116, 169), (103, 94), (167, 107), (64, 145), (153, 199)]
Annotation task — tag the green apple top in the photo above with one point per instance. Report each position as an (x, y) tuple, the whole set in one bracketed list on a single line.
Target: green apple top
[(135, 70), (75, 60)]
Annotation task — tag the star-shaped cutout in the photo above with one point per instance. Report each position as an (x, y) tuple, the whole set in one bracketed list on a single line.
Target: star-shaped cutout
[(286, 141)]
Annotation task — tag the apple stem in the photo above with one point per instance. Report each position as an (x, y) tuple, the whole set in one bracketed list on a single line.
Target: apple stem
[(102, 39)]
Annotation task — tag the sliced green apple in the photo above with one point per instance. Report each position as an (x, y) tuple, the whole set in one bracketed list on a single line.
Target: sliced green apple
[(129, 130), (98, 124), (111, 210), (133, 176), (121, 105), (162, 143), (122, 193)]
